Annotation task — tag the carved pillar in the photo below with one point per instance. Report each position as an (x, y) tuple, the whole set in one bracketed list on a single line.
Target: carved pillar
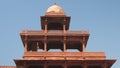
[(65, 65), (45, 65), (25, 48), (45, 43), (38, 47), (104, 65), (26, 44), (26, 41), (46, 28), (64, 28), (64, 46), (83, 47), (85, 65), (25, 65), (45, 46)]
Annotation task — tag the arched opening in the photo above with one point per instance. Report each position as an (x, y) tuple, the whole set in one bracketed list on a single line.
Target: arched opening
[(54, 46), (55, 26)]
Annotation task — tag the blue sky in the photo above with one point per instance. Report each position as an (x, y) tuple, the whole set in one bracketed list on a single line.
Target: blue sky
[(100, 17)]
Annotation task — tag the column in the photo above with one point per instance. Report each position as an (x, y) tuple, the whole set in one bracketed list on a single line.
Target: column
[(45, 42), (64, 46), (85, 65), (64, 29), (26, 41), (45, 65), (25, 65), (65, 65), (64, 42), (25, 48), (45, 46), (83, 47), (38, 46), (105, 65), (45, 28)]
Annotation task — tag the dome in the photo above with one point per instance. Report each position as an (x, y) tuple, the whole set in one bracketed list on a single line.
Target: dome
[(55, 10)]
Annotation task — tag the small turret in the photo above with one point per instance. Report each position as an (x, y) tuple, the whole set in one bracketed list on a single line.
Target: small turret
[(55, 19)]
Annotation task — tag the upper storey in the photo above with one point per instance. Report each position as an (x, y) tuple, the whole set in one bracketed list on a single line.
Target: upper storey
[(55, 19)]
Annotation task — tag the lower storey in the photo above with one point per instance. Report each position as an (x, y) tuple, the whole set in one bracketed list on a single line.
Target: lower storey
[(64, 64), (69, 66)]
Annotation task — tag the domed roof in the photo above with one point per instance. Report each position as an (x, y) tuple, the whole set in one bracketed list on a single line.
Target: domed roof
[(55, 10)]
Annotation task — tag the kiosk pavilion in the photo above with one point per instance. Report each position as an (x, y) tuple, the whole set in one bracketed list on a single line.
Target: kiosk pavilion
[(55, 46)]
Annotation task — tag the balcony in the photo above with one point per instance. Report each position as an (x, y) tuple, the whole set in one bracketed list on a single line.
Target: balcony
[(64, 55), (54, 32)]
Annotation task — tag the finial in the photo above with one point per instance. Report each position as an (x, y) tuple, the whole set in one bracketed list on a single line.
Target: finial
[(55, 3)]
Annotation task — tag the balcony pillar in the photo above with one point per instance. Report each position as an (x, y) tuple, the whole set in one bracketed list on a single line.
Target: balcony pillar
[(25, 48), (64, 46), (65, 65), (26, 44), (46, 28), (45, 46), (64, 28), (85, 65), (83, 45), (105, 65), (45, 65)]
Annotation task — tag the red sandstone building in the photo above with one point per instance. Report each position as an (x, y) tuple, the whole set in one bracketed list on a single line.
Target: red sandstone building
[(52, 46)]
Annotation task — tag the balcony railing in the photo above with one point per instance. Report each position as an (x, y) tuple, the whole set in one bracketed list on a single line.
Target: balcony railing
[(64, 55), (54, 32), (7, 66)]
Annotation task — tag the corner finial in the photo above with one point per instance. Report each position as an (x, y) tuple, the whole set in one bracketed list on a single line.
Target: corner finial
[(55, 3)]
